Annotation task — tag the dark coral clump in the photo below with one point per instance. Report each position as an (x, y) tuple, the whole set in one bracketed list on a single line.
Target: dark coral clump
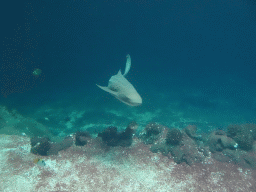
[(125, 137), (152, 129), (43, 146), (111, 137), (174, 136), (181, 148), (151, 133), (218, 141), (40, 145), (233, 130), (242, 134), (252, 129), (236, 146), (245, 141), (81, 138)]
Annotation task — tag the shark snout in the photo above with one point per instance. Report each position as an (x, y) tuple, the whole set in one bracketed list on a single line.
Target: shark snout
[(135, 100)]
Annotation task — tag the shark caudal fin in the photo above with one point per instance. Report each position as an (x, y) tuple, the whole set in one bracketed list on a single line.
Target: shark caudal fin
[(128, 64)]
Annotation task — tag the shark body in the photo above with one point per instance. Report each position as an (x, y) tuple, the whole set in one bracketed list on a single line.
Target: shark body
[(121, 88)]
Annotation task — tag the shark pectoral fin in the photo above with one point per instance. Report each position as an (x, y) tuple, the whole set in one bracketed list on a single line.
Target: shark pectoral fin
[(107, 90)]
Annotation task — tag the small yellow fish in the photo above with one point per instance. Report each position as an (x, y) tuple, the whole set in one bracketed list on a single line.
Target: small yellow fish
[(37, 72), (39, 162)]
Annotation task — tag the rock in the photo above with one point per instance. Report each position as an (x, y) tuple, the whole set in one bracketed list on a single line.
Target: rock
[(174, 136), (81, 138), (242, 134), (220, 142), (151, 133)]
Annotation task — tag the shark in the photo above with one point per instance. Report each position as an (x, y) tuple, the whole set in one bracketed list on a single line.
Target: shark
[(121, 88)]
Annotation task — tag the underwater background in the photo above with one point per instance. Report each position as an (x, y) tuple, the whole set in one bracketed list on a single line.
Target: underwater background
[(193, 62)]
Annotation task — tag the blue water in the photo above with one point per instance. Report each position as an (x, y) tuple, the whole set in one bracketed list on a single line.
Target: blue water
[(193, 62)]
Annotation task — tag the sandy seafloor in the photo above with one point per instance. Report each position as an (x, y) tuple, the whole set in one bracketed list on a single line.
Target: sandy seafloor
[(120, 169), (96, 168)]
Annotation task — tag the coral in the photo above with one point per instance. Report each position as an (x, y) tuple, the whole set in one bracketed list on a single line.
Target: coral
[(242, 134), (151, 133), (133, 125), (126, 137), (56, 147), (81, 138), (160, 147), (153, 129), (254, 147), (40, 146), (222, 146), (43, 146), (111, 137), (245, 141), (233, 130), (250, 159), (181, 148), (240, 157), (75, 170), (252, 128), (188, 151), (174, 136), (219, 142), (190, 130)]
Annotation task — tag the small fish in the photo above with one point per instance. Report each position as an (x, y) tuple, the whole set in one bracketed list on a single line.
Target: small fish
[(121, 88), (39, 162), (37, 72)]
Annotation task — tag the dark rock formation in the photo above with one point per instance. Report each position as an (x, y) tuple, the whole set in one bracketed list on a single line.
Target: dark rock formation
[(151, 133), (111, 137), (242, 134), (43, 146), (81, 138), (174, 136), (219, 142), (181, 147), (40, 145)]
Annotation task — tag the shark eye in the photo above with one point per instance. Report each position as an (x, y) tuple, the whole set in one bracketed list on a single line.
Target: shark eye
[(115, 88)]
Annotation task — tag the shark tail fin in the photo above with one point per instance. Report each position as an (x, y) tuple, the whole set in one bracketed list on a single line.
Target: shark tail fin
[(128, 64)]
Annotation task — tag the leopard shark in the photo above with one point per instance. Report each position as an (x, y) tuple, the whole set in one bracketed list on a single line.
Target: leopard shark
[(121, 88)]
